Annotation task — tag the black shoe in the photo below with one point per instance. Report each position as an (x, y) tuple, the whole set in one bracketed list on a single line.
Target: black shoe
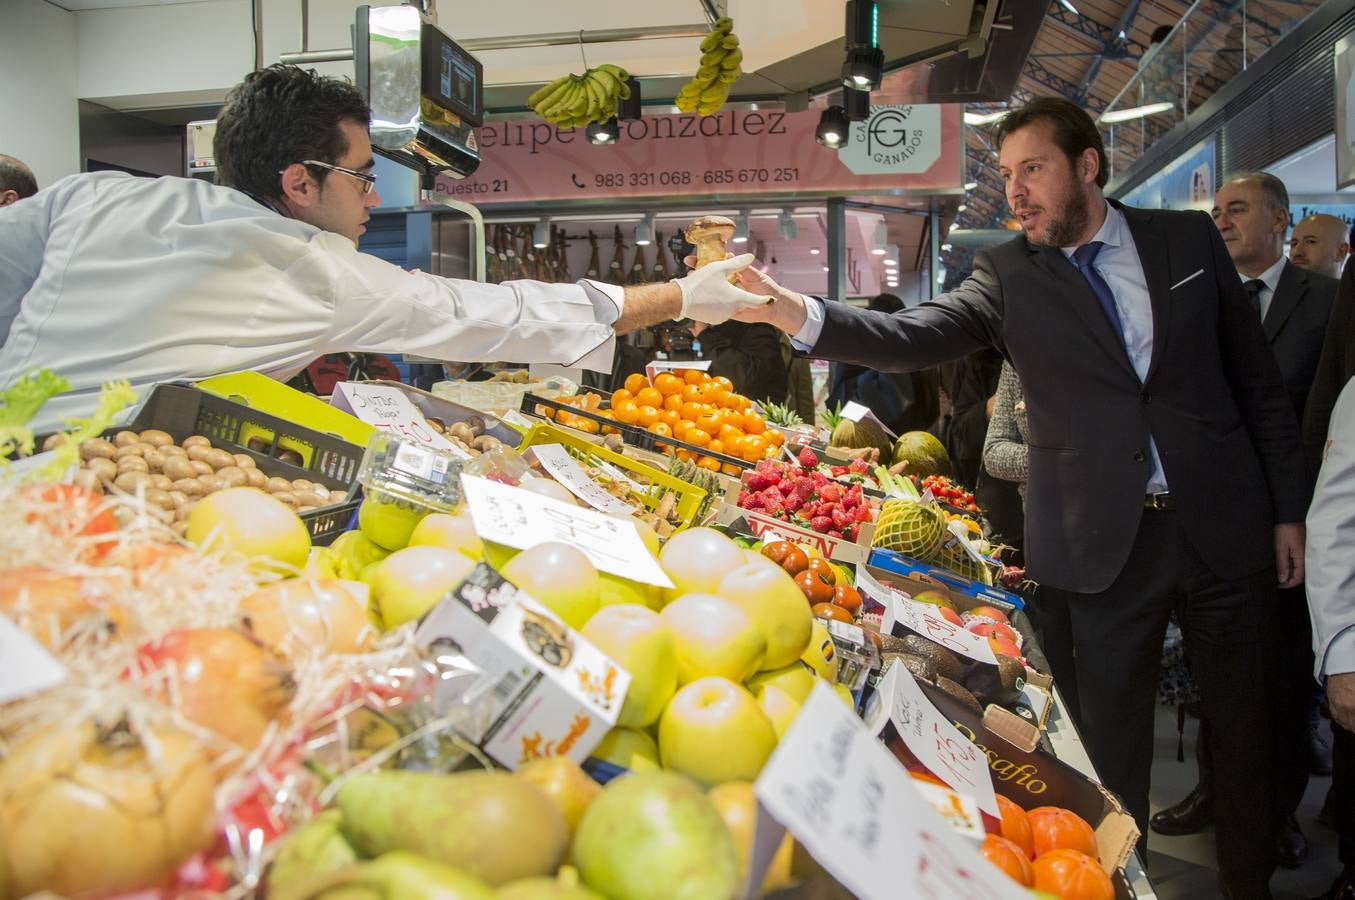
[(1291, 847), (1187, 817), (1343, 888), (1319, 753), (1327, 816)]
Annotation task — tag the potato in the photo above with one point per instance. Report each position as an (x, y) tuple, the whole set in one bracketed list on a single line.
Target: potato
[(301, 484), (123, 438), (196, 440), (310, 499), (155, 459), (218, 459), (199, 452), (244, 461), (188, 487), (286, 497), (102, 469), (276, 484), (177, 467), (53, 441), (87, 479), (200, 467), (255, 478), (157, 497), (156, 438), (132, 464), (212, 483), (97, 448), (179, 499), (233, 476), (174, 450), (162, 482), (128, 450), (129, 481)]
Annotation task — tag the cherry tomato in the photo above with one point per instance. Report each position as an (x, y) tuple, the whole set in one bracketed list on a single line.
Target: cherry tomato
[(829, 611)]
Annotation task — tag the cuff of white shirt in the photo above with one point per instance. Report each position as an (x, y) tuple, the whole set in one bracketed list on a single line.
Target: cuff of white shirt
[(1340, 656), (808, 335), (608, 300)]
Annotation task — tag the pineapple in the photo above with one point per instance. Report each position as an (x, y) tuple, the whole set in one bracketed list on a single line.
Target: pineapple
[(781, 415)]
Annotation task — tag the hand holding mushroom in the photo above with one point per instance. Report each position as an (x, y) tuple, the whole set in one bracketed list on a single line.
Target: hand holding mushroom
[(709, 292)]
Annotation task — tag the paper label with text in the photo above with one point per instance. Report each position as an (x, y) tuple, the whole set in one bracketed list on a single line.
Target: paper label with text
[(921, 618), (522, 519), (391, 410), (25, 665), (556, 460)]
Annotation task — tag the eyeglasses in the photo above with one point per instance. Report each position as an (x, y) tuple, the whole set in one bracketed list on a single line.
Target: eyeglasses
[(368, 180)]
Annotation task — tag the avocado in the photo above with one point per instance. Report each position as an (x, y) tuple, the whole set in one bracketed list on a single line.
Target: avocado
[(947, 663), (999, 684), (922, 667), (960, 693)]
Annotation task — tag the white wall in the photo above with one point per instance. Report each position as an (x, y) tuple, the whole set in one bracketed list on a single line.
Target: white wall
[(39, 122)]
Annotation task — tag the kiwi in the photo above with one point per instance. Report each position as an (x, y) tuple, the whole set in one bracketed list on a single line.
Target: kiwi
[(961, 693), (947, 663)]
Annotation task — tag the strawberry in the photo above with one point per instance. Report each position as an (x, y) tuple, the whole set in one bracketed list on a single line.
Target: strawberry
[(861, 514), (835, 534), (804, 486), (838, 471), (767, 467), (821, 524), (841, 518), (757, 481), (826, 508), (831, 492), (755, 501), (808, 458), (859, 466), (852, 532), (774, 493), (745, 497), (775, 508), (794, 501)]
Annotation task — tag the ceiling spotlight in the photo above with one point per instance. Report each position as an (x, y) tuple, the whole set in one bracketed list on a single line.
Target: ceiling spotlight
[(814, 251), (541, 234), (970, 185), (644, 231), (945, 248), (891, 263), (1070, 7), (825, 268), (857, 104), (962, 207), (786, 225), (629, 108), (832, 130), (863, 68), (952, 227), (741, 228), (863, 23), (881, 238), (603, 132)]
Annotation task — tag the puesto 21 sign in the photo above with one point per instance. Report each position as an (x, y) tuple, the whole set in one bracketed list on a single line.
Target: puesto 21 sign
[(733, 152)]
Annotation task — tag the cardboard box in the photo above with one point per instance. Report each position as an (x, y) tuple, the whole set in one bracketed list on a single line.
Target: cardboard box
[(837, 549), (553, 694), (899, 564)]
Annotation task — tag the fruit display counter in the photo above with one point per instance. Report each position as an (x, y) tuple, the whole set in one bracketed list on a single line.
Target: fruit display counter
[(535, 674)]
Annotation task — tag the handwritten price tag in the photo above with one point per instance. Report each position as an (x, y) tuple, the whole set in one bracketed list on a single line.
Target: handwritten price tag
[(937, 744), (25, 666), (562, 467), (389, 409), (522, 519), (919, 617), (855, 412), (854, 808)]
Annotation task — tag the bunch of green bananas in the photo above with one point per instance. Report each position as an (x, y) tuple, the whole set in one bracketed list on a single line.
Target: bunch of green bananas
[(574, 100), (720, 61)]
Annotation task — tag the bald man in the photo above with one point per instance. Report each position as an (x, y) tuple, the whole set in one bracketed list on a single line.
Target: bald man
[(16, 181), (1320, 244)]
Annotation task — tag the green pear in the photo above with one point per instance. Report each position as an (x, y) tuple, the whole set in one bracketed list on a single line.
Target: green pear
[(563, 887), (352, 552), (314, 848), (492, 825), (397, 875)]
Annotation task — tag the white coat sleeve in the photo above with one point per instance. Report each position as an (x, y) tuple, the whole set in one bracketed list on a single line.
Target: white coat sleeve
[(1329, 557), (379, 307), (24, 227)]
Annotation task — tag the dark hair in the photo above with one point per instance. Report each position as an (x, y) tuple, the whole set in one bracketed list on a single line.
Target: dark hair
[(278, 116), (16, 177), (1074, 130), (1277, 195), (1160, 34)]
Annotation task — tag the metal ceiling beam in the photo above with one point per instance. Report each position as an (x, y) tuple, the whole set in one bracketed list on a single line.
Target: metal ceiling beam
[(1120, 27), (1037, 72), (1095, 31)]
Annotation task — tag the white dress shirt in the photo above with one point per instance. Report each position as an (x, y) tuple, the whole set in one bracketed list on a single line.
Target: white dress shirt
[(1271, 278), (1329, 571), (106, 276), (1119, 264)]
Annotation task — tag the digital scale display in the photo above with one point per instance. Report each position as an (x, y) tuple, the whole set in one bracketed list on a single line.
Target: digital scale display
[(451, 76)]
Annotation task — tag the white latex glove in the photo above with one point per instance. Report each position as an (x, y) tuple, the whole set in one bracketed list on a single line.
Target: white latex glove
[(707, 295)]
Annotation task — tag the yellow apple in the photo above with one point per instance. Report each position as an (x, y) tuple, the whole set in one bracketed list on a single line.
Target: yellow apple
[(560, 577), (387, 520), (247, 521), (452, 532), (821, 655), (781, 692), (696, 560), (637, 639), (564, 782), (410, 582), (768, 594), (549, 487), (780, 707), (714, 637), (629, 748), (615, 590), (714, 731), (352, 552), (737, 805)]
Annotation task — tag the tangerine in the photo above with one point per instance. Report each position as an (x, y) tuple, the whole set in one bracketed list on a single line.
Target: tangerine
[(754, 447), (635, 382), (1010, 858), (692, 376), (692, 393), (1015, 826), (667, 383), (648, 416), (1072, 876), (692, 411), (753, 423), (709, 463), (627, 412), (673, 402), (697, 436), (670, 418), (621, 394), (649, 397), (1056, 828)]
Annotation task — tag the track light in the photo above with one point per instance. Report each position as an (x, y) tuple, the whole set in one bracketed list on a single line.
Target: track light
[(644, 231), (603, 132), (962, 207), (857, 105), (973, 118), (832, 130), (786, 225), (881, 238), (945, 248), (863, 23), (541, 234), (864, 68), (825, 268), (814, 251), (741, 228), (1135, 112), (630, 107)]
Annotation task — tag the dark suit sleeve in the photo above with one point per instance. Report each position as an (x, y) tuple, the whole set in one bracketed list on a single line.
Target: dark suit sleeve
[(1258, 389), (951, 326), (1330, 377)]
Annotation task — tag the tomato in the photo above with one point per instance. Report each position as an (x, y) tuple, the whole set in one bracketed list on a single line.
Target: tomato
[(1015, 826), (1056, 828), (829, 611), (1072, 876), (1008, 857), (815, 589), (787, 556), (824, 569), (847, 597)]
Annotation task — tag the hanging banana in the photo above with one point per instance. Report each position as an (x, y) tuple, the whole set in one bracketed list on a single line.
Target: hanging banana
[(719, 68), (571, 101)]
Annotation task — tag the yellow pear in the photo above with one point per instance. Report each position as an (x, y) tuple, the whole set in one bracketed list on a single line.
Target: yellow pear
[(768, 594), (714, 731), (696, 560), (714, 637)]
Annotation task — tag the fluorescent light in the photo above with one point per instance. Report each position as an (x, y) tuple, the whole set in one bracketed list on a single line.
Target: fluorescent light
[(1135, 112), (786, 225), (814, 251), (952, 227), (891, 264), (945, 248), (970, 185), (1070, 7), (941, 277), (962, 207), (741, 228), (881, 239), (973, 118)]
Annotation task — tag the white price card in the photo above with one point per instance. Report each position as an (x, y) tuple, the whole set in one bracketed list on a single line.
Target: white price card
[(522, 519), (856, 412), (854, 808), (920, 617), (936, 743), (656, 366), (868, 587), (556, 460), (391, 410), (513, 417), (25, 665)]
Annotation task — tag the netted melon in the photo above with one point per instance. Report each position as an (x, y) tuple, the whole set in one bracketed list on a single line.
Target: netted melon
[(910, 528)]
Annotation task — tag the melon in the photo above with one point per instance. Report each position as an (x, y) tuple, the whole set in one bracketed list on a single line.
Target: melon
[(910, 528), (923, 454)]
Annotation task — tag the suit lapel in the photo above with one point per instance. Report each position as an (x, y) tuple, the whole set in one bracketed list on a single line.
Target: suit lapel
[(1155, 257), (1084, 302), (1288, 294)]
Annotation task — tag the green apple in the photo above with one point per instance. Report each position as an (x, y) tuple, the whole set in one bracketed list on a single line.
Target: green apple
[(256, 525), (714, 731), (629, 748), (637, 639), (768, 594), (352, 552), (615, 590), (453, 532), (714, 637), (387, 520), (696, 560), (560, 577), (410, 582), (821, 655)]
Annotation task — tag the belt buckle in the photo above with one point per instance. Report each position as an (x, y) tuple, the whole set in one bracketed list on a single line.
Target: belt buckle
[(1158, 501)]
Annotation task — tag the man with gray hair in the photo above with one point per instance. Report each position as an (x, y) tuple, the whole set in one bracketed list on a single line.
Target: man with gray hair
[(1320, 244), (16, 180)]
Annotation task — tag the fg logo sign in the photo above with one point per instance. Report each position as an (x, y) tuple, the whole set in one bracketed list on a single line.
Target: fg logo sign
[(894, 139)]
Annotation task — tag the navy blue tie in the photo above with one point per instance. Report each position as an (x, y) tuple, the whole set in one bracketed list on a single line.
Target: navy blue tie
[(1085, 257)]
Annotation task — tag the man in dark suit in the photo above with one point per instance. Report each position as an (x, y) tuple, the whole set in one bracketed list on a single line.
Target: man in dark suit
[(1251, 211), (1166, 471)]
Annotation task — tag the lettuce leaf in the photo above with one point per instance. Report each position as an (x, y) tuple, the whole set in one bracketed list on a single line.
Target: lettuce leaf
[(20, 402)]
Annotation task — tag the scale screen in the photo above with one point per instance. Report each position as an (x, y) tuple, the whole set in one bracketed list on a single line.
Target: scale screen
[(451, 76)]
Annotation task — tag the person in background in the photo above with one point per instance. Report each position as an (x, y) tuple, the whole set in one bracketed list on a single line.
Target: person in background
[(1320, 243), (903, 401), (1335, 367), (748, 355), (800, 383), (1331, 601), (16, 181)]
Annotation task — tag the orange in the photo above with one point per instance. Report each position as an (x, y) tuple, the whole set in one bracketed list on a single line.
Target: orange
[(774, 437), (635, 382), (692, 411), (728, 433), (1056, 828), (1008, 857), (681, 428), (709, 389), (691, 393), (716, 446), (667, 383), (697, 436), (723, 382), (661, 429), (688, 455), (753, 447), (649, 397), (673, 401), (626, 412), (741, 402), (586, 425), (621, 394), (1072, 875), (709, 462), (693, 376), (670, 418), (709, 422), (1015, 826), (753, 423), (726, 400), (648, 416), (731, 469)]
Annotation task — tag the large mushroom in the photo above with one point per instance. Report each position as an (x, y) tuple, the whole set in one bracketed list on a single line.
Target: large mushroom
[(710, 234)]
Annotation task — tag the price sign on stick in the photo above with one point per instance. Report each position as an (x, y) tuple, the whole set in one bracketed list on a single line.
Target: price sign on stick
[(920, 618), (389, 409), (556, 460), (522, 519)]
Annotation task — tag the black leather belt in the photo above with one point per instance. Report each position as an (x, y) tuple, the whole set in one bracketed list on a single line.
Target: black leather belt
[(1163, 500)]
